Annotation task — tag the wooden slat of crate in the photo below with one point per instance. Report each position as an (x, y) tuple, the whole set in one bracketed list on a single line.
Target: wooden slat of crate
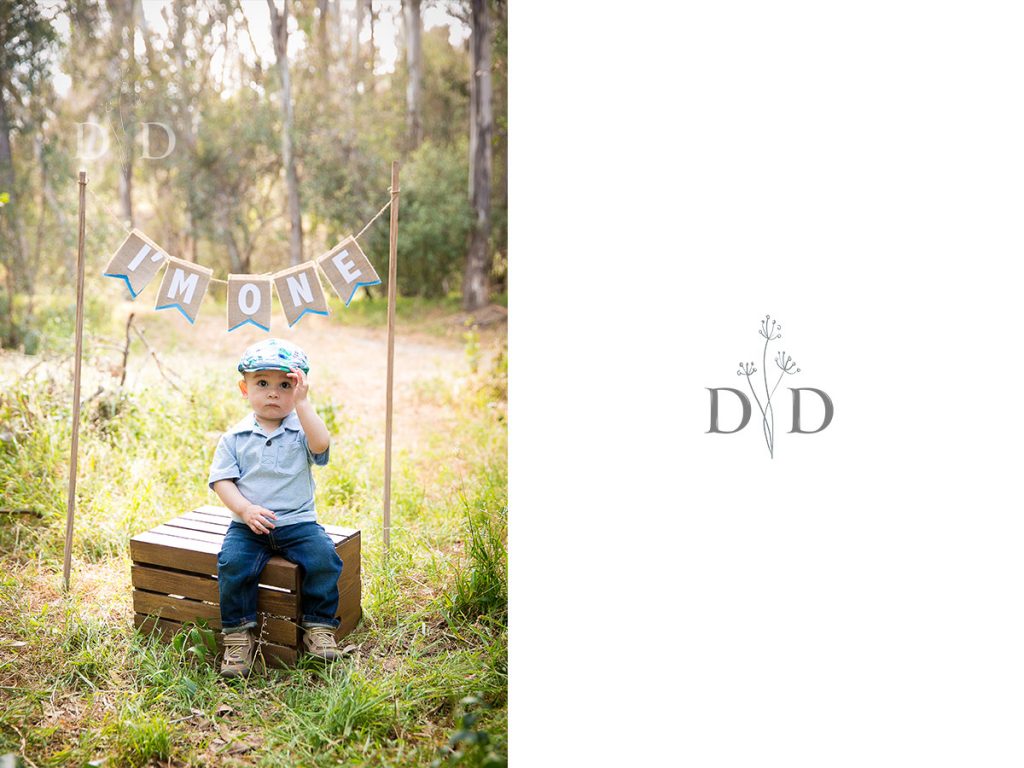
[(349, 585), (195, 587), (197, 525), (187, 530), (279, 631), (201, 557), (349, 610), (191, 542), (349, 552), (208, 518), (223, 513), (276, 655), (189, 533), (222, 516), (204, 520), (196, 552), (211, 509)]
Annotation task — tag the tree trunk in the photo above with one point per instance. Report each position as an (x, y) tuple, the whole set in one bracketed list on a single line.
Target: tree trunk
[(323, 41), (373, 38), (414, 60), (279, 30), (185, 129), (224, 224), (37, 250), (357, 46), (8, 225), (126, 34), (12, 245), (124, 186), (6, 160), (475, 278)]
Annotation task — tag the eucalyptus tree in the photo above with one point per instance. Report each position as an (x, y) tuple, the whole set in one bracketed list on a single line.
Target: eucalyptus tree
[(476, 276), (279, 32), (27, 40), (414, 61)]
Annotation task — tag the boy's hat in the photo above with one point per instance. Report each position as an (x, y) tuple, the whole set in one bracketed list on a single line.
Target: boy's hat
[(273, 355)]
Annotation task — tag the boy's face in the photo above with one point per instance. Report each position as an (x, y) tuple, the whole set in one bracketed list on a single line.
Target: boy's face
[(270, 393)]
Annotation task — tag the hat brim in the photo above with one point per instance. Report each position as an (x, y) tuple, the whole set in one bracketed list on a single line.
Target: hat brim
[(284, 368)]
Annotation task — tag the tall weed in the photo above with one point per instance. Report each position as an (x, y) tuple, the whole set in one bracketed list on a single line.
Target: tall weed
[(481, 587)]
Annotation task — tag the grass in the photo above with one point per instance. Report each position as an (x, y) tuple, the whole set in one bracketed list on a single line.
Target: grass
[(428, 681)]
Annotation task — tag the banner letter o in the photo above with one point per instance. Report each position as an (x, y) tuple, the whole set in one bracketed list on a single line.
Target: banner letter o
[(249, 299)]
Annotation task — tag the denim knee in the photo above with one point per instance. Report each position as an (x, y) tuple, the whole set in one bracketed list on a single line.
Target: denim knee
[(328, 565)]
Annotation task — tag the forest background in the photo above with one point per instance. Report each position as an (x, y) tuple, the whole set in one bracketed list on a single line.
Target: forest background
[(246, 137)]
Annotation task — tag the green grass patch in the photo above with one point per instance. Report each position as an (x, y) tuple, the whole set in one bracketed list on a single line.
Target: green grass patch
[(427, 680)]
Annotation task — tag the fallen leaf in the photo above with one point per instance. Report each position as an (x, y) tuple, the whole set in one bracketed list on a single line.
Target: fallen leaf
[(224, 710)]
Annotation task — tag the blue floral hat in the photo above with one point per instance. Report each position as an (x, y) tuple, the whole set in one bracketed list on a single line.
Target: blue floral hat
[(273, 355)]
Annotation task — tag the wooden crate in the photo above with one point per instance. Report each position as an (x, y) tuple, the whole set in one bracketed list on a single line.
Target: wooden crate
[(174, 572)]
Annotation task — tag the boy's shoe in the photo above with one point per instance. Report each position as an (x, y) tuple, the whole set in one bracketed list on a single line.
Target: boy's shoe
[(238, 654), (319, 642)]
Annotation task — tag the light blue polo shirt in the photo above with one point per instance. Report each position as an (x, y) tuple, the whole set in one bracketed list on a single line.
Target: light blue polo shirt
[(270, 470)]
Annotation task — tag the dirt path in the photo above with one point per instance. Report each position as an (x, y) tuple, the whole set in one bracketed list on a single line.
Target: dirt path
[(348, 364)]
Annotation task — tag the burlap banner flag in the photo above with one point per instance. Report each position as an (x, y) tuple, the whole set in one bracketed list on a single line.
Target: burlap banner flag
[(248, 301), (136, 261), (347, 269), (300, 292), (183, 287)]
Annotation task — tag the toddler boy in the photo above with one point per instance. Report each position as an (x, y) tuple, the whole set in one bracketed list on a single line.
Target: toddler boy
[(261, 472)]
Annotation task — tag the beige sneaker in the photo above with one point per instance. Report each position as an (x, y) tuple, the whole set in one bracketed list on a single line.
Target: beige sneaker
[(238, 654), (319, 642)]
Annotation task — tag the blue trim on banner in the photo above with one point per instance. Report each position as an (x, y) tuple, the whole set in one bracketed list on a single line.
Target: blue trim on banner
[(358, 286), (250, 320), (126, 282), (310, 311), (180, 309)]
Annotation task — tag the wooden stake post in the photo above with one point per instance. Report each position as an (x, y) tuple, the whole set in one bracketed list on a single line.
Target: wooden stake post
[(75, 403), (392, 293)]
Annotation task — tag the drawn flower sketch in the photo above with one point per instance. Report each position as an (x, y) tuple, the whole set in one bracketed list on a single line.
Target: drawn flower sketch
[(785, 365)]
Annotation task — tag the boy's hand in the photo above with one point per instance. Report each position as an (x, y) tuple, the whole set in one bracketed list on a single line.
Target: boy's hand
[(299, 384), (258, 518)]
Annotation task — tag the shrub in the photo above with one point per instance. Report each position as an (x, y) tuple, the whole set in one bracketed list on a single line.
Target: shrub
[(435, 221)]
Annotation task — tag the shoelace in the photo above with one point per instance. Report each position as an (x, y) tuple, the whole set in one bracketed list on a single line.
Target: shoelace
[(321, 637), (236, 649)]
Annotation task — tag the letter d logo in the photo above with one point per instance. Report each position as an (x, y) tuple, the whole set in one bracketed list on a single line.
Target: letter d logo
[(714, 410), (829, 410)]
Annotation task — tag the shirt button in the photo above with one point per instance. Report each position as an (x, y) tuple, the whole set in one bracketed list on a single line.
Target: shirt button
[(268, 442)]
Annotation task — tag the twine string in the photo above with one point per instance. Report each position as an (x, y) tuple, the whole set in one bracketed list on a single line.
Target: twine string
[(121, 223), (377, 215)]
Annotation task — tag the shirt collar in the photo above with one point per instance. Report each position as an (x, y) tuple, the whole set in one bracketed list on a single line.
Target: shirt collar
[(249, 424)]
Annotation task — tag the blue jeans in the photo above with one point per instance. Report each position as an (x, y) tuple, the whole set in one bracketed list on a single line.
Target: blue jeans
[(243, 555)]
